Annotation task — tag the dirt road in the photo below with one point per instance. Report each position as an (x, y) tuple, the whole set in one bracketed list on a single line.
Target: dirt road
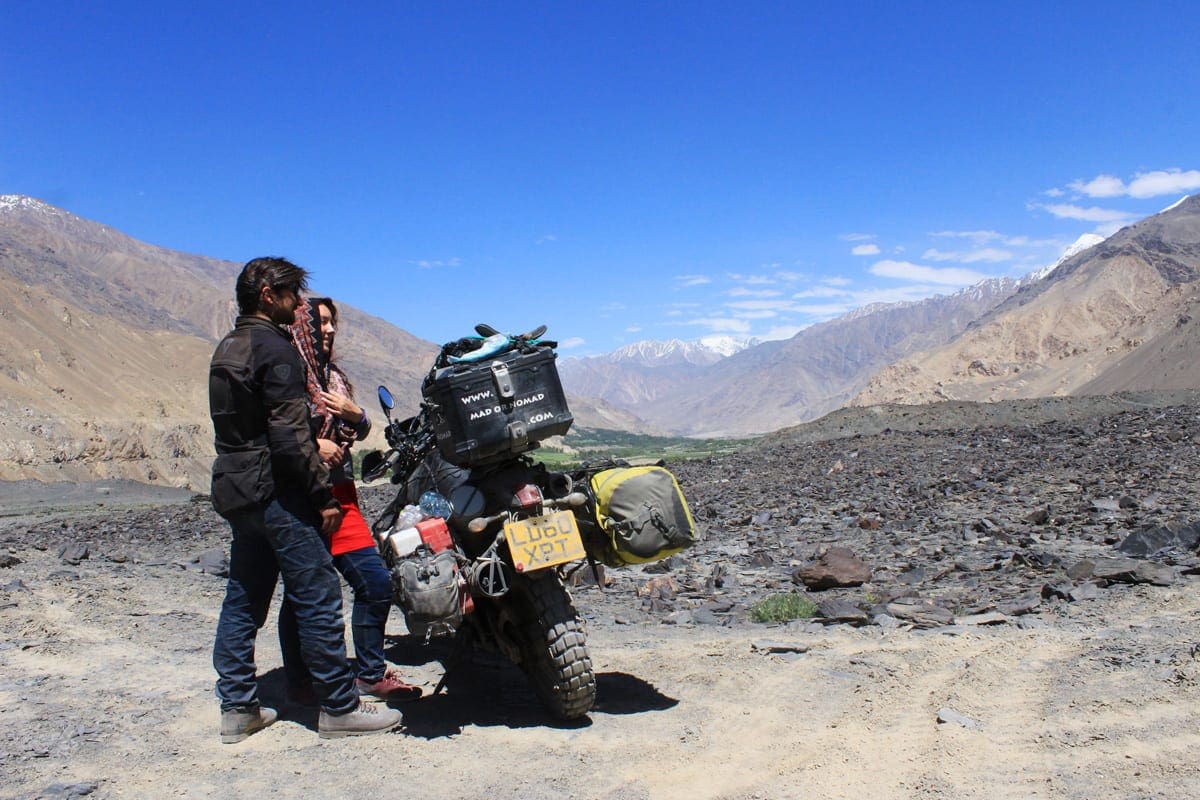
[(106, 690)]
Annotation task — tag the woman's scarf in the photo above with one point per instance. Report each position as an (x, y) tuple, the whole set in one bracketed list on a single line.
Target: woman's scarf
[(321, 373)]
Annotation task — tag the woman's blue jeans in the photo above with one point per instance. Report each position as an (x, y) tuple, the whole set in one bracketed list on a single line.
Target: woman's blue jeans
[(282, 539), (368, 578)]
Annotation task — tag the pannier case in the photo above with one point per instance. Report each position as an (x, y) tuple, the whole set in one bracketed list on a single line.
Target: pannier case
[(497, 407)]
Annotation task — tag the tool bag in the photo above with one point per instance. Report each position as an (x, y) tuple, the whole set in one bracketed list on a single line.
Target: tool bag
[(428, 590), (640, 516)]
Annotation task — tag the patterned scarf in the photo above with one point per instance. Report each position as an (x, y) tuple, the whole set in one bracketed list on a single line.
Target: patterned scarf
[(321, 373)]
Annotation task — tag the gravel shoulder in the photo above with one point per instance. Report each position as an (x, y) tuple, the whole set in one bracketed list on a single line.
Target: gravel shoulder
[(106, 680)]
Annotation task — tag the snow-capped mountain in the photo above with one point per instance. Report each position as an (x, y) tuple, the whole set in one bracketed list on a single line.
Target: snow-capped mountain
[(1082, 243), (657, 353)]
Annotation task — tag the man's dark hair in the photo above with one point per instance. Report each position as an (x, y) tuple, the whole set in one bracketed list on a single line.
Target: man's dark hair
[(278, 273)]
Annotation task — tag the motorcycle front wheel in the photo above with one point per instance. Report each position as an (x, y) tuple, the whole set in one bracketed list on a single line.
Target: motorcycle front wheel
[(554, 646)]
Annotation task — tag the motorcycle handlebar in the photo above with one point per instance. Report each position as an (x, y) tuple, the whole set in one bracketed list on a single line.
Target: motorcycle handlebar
[(384, 466)]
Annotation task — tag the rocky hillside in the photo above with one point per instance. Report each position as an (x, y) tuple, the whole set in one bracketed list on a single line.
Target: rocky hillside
[(107, 342), (1118, 316)]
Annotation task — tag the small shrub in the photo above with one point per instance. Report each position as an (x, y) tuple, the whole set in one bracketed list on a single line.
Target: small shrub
[(782, 607)]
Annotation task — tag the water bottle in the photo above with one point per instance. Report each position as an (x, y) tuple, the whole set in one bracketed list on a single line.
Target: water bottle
[(409, 516), (434, 505)]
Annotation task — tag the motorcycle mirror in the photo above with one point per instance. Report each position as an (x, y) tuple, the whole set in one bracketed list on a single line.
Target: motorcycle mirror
[(386, 400), (371, 461)]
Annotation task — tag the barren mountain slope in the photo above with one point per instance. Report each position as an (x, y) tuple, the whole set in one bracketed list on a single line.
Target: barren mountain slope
[(87, 396), (1095, 313)]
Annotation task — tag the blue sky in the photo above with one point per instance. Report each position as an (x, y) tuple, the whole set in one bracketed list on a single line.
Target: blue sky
[(619, 171)]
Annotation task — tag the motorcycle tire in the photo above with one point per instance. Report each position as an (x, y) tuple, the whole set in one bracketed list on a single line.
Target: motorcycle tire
[(555, 656)]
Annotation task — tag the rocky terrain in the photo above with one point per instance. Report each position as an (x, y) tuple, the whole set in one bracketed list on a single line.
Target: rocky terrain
[(1005, 607)]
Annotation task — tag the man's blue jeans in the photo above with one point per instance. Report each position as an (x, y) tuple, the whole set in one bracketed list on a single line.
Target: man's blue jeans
[(282, 539), (368, 578)]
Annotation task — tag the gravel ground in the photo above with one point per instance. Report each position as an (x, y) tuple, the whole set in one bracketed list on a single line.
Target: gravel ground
[(1027, 626)]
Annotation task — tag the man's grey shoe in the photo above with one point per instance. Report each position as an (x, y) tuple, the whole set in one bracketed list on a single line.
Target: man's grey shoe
[(237, 724), (362, 721)]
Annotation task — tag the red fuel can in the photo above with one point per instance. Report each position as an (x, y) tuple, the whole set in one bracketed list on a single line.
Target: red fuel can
[(435, 534)]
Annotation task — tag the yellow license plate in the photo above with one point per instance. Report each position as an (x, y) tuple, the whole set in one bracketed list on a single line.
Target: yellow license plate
[(544, 541)]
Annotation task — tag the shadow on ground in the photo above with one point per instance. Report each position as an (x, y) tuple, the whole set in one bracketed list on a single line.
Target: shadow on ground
[(485, 689)]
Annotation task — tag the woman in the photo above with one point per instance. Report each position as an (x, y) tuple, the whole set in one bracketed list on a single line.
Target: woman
[(338, 422)]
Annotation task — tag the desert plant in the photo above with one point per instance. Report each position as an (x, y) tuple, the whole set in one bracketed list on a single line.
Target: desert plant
[(782, 607)]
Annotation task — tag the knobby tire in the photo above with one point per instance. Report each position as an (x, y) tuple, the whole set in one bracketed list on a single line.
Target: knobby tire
[(556, 652)]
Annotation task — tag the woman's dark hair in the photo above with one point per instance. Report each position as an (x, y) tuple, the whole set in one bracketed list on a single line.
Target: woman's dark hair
[(327, 302), (278, 273)]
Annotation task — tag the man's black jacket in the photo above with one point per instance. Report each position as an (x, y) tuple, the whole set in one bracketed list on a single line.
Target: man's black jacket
[(259, 407)]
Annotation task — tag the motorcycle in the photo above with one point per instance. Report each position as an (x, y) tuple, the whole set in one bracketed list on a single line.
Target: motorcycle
[(480, 537)]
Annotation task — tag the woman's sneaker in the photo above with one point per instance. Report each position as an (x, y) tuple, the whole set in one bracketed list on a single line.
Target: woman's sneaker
[(364, 720), (389, 687)]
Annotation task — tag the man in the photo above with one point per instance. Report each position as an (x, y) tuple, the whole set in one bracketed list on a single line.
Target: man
[(270, 484)]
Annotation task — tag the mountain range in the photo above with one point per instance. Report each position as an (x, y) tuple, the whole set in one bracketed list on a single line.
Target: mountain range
[(109, 338), (108, 341)]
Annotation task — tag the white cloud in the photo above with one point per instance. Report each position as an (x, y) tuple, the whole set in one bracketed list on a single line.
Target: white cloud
[(573, 342), (865, 250), (827, 310), (1093, 214), (742, 291), (976, 236), (684, 281), (856, 237), (761, 305), (1172, 181), (989, 254), (722, 324), (751, 280), (898, 294), (549, 237), (1100, 186), (836, 280), (908, 271), (451, 262), (781, 332), (821, 291), (1143, 185)]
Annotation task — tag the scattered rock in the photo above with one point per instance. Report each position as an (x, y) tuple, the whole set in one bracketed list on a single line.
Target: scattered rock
[(768, 646), (213, 562), (663, 588), (838, 566), (988, 618), (1153, 540), (73, 553), (838, 610), (948, 716), (925, 613)]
